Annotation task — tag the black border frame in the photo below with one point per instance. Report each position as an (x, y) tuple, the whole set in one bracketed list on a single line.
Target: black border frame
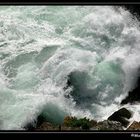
[(68, 134)]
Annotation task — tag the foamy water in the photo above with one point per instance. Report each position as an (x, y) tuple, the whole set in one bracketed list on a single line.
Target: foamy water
[(41, 47)]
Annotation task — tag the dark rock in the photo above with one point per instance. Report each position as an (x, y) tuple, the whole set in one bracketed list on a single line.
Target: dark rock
[(134, 95), (30, 126), (121, 116), (134, 126), (41, 124), (40, 120), (34, 124), (123, 112), (134, 9)]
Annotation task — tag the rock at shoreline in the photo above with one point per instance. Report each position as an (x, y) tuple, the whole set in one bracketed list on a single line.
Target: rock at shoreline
[(115, 122), (30, 126), (72, 123), (134, 126), (45, 126), (82, 123), (121, 116), (109, 125), (134, 95), (134, 9), (35, 123)]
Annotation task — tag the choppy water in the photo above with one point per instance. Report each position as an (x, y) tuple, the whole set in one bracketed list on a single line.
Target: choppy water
[(42, 47)]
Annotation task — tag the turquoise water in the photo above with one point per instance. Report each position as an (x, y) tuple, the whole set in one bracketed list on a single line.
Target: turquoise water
[(42, 47)]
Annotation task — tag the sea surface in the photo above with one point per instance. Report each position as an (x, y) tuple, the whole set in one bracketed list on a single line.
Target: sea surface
[(66, 60)]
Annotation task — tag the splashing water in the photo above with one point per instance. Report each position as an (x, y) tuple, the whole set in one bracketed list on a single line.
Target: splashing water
[(43, 48)]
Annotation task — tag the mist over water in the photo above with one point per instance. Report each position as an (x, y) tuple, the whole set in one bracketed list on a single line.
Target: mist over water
[(96, 49)]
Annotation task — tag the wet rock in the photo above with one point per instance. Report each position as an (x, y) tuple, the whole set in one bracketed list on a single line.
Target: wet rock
[(40, 120), (134, 126), (30, 126), (66, 128), (134, 95), (74, 122), (35, 123), (121, 116), (108, 125), (45, 126), (134, 9)]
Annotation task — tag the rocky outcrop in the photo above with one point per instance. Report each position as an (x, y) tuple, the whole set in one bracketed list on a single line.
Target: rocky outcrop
[(45, 126), (82, 123), (121, 116), (134, 9), (116, 121), (34, 124), (134, 95), (104, 125), (100, 126), (134, 126), (108, 125)]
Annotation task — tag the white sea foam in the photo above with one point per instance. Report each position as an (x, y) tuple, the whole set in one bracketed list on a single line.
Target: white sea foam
[(42, 47)]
